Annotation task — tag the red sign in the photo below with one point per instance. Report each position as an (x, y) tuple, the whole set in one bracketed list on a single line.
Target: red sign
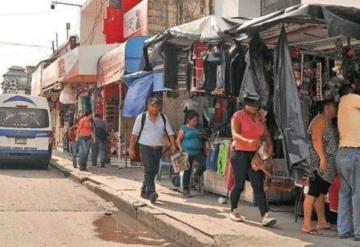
[(136, 20)]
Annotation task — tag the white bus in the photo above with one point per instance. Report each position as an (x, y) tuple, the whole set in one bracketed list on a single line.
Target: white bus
[(26, 136)]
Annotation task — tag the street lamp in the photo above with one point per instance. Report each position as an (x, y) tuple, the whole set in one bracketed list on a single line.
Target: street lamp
[(54, 3)]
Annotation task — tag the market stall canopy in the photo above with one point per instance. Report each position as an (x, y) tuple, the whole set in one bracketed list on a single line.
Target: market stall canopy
[(124, 59), (77, 66), (306, 26), (206, 29)]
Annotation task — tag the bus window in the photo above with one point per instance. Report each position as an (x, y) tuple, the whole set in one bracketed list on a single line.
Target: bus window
[(23, 118)]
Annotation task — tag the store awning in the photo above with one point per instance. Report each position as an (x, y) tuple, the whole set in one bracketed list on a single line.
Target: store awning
[(306, 25), (124, 59), (77, 66)]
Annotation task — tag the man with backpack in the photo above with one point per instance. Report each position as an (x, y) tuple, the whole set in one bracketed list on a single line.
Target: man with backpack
[(99, 145), (149, 130)]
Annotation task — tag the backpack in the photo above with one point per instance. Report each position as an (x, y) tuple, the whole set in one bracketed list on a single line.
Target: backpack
[(143, 118), (100, 133)]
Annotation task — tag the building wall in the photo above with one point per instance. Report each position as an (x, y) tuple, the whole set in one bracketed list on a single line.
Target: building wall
[(91, 28), (227, 8), (167, 13), (349, 3)]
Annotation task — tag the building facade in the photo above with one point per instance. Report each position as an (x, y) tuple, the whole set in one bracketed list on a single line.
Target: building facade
[(251, 8), (17, 80)]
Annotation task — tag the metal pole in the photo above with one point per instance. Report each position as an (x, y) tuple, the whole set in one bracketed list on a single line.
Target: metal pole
[(68, 4)]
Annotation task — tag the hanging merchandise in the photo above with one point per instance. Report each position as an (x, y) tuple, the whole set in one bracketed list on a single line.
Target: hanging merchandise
[(349, 65), (170, 66), (287, 114), (319, 83), (85, 104), (68, 95), (235, 68), (140, 88), (222, 158), (254, 84)]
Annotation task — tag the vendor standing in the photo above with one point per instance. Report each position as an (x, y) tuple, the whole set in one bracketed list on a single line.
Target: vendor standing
[(248, 130), (191, 140)]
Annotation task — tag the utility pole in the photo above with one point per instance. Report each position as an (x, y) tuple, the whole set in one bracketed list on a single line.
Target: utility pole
[(68, 26)]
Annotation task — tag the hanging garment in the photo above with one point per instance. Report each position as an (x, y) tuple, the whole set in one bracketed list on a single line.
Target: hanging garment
[(209, 110), (198, 75), (139, 91), (170, 66), (182, 71), (211, 62), (287, 113), (222, 158), (211, 160), (254, 84), (236, 70), (229, 179)]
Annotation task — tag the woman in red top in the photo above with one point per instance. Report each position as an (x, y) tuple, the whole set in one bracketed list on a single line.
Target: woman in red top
[(84, 137), (248, 130)]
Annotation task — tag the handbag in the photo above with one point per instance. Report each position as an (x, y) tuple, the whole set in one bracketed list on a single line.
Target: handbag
[(262, 161), (180, 162)]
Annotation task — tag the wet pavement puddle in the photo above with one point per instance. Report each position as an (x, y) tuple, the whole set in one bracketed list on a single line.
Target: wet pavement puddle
[(122, 228)]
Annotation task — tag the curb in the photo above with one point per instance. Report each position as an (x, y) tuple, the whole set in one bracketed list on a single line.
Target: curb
[(162, 223)]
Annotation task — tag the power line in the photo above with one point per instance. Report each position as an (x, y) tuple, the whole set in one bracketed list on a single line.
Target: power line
[(24, 45)]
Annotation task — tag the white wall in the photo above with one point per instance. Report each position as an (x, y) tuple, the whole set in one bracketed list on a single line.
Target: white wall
[(349, 3), (237, 8)]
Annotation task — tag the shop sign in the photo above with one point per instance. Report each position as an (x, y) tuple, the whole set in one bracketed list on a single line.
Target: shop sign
[(136, 20), (111, 66)]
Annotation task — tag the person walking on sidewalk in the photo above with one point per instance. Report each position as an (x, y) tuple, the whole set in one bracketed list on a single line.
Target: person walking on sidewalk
[(348, 164), (149, 130), (191, 140), (98, 148), (73, 142), (248, 129), (324, 144), (84, 138)]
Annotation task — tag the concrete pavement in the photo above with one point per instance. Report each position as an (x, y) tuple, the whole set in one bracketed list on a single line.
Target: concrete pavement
[(198, 221), (42, 208)]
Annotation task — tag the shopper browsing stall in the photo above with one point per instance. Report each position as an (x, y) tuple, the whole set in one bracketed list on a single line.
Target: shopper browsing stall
[(248, 130), (84, 138), (324, 143), (149, 130), (191, 140), (348, 164)]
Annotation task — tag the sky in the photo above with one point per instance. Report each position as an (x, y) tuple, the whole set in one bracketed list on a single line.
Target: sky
[(33, 23)]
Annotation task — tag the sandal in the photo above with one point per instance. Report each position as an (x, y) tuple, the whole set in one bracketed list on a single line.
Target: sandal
[(312, 232), (329, 227)]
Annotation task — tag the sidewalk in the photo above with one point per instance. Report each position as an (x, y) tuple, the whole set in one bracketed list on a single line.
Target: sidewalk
[(197, 221)]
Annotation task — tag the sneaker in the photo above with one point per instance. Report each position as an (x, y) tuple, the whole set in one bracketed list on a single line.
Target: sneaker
[(345, 236), (186, 194), (153, 197), (144, 195), (235, 216), (268, 220)]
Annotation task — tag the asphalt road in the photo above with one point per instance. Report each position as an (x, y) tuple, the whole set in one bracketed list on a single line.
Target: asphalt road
[(42, 208)]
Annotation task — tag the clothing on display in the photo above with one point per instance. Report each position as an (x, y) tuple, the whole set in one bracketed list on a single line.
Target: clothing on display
[(170, 66), (212, 158), (235, 68), (222, 158)]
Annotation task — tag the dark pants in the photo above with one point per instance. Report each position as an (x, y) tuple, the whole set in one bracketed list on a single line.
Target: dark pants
[(241, 165), (199, 171), (150, 159), (74, 152), (84, 150), (99, 148)]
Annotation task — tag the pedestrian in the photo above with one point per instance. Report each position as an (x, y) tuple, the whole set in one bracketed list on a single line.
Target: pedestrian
[(324, 143), (248, 130), (73, 142), (98, 148), (348, 164), (149, 130), (191, 140), (84, 138)]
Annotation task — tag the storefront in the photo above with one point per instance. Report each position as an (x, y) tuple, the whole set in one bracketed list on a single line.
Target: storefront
[(205, 71), (69, 83), (112, 66)]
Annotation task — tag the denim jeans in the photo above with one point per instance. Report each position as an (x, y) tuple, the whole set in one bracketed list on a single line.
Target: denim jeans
[(199, 171), (150, 158), (241, 165), (98, 148), (74, 152), (348, 168), (84, 150)]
